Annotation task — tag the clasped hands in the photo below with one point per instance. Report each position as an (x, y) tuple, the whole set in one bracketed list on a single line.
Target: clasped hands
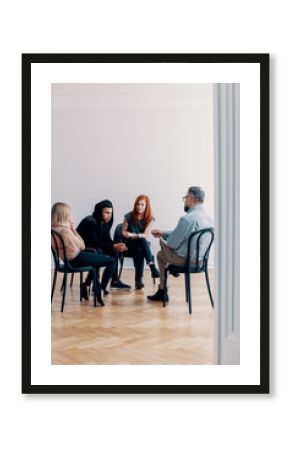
[(156, 233)]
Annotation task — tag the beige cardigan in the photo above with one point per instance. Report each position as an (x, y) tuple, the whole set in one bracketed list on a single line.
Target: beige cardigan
[(73, 242)]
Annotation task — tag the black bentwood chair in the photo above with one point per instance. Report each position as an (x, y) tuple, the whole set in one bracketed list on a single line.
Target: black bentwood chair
[(63, 266), (199, 267), (119, 238)]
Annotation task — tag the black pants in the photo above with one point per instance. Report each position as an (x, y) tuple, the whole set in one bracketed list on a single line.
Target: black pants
[(139, 249), (96, 260), (113, 254)]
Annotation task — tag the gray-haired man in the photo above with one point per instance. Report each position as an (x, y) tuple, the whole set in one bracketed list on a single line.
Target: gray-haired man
[(174, 251)]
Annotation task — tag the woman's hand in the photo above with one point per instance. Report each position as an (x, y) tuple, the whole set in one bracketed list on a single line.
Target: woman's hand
[(129, 235)]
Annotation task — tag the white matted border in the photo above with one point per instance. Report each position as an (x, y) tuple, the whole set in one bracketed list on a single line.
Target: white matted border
[(42, 75)]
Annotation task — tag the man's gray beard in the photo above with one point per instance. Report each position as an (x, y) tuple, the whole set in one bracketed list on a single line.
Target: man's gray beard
[(186, 208)]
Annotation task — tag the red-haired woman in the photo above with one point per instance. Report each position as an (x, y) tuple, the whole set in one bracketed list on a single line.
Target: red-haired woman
[(136, 229)]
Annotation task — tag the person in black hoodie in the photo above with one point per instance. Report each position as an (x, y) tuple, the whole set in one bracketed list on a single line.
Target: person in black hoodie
[(96, 232)]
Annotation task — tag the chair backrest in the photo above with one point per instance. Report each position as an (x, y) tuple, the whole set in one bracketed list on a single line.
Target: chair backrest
[(200, 249), (58, 250), (118, 233)]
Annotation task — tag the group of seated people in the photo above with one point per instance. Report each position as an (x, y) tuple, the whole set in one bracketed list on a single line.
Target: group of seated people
[(94, 232)]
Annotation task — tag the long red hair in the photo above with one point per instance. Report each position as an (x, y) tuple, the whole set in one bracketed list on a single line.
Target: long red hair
[(148, 216)]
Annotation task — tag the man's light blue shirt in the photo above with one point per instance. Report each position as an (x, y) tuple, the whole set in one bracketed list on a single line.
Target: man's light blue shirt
[(195, 219)]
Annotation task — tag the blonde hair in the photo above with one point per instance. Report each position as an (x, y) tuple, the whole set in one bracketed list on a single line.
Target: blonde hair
[(60, 214)]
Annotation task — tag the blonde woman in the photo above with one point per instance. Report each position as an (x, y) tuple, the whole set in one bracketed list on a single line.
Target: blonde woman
[(61, 222)]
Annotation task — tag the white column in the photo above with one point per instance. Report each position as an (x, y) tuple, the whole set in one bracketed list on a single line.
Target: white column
[(227, 214)]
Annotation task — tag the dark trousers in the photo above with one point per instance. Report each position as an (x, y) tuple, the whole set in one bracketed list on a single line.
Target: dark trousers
[(111, 253), (139, 249), (115, 255), (96, 260)]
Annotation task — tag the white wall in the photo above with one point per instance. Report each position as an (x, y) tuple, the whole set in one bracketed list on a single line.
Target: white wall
[(117, 141)]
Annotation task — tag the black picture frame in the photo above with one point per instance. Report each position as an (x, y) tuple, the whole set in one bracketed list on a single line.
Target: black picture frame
[(263, 61)]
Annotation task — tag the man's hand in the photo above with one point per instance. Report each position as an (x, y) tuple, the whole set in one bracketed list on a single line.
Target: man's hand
[(156, 233), (120, 247)]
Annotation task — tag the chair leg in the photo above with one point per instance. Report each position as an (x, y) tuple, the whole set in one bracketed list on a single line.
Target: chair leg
[(63, 291), (94, 288), (189, 293), (62, 284), (53, 283), (81, 280), (121, 267), (165, 286), (208, 287), (154, 279), (186, 288), (72, 280), (89, 288)]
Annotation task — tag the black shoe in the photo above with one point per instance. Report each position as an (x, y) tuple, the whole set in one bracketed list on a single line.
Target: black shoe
[(174, 274), (119, 285), (139, 284), (84, 291), (159, 296), (98, 293), (105, 292), (100, 300), (154, 271)]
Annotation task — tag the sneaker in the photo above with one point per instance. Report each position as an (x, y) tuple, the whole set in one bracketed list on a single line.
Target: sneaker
[(119, 285), (159, 296), (154, 271)]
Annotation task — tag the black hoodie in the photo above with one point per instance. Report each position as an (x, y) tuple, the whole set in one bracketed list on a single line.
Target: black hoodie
[(94, 231)]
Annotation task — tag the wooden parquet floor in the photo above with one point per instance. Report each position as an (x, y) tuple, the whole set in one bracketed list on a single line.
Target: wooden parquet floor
[(132, 330)]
